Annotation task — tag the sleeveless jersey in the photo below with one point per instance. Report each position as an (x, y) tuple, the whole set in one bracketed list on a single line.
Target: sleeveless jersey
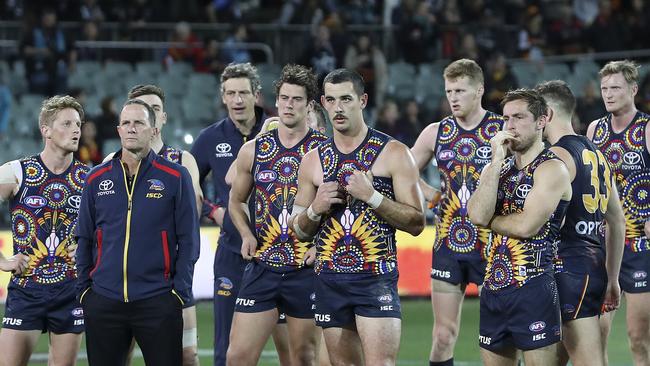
[(275, 175), (630, 163), (43, 218), (352, 238), (171, 154), (580, 238), (513, 262), (461, 155)]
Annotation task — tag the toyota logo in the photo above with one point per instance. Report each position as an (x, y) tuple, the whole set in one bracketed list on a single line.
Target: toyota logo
[(484, 152), (75, 201), (631, 158), (523, 190), (223, 148), (106, 185)]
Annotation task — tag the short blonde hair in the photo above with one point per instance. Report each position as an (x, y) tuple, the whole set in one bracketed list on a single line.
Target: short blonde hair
[(629, 69), (464, 68), (54, 105)]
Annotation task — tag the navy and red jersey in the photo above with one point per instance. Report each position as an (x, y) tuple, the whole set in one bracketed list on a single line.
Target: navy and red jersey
[(629, 161), (171, 154), (215, 149), (140, 239), (43, 218), (461, 155), (352, 238), (275, 173), (513, 262), (580, 248)]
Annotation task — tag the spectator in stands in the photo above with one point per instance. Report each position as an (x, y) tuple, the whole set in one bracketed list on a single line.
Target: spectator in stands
[(365, 57), (590, 107), (606, 33), (360, 11), (106, 122), (301, 12), (211, 62), (231, 51), (565, 32), (5, 105), (46, 52), (412, 122), (89, 152), (417, 33), (498, 80), (90, 11), (531, 38), (89, 32), (319, 53), (388, 123), (191, 50)]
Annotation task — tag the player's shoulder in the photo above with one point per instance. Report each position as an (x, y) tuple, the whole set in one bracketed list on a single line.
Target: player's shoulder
[(99, 170)]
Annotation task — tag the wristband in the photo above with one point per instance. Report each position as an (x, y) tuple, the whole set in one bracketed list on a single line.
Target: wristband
[(375, 200), (312, 215)]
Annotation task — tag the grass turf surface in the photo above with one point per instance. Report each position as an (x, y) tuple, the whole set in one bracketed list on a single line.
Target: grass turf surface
[(415, 343)]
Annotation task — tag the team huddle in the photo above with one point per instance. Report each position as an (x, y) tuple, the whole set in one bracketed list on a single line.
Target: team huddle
[(551, 225)]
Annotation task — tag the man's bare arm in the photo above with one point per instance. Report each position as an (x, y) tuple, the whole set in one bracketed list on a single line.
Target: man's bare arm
[(423, 148), (190, 163), (551, 184), (239, 194)]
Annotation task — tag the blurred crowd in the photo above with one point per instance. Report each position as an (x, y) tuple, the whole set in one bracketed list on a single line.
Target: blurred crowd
[(423, 31)]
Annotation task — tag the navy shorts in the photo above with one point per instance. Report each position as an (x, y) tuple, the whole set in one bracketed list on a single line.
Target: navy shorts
[(635, 269), (581, 295), (526, 318), (51, 308), (445, 267), (339, 297), (291, 292)]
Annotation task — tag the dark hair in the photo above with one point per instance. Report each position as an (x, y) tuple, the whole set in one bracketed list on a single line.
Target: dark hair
[(536, 103), (140, 90), (558, 92), (339, 76), (150, 111), (298, 75)]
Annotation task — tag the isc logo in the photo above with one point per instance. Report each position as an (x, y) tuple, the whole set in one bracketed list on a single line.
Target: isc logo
[(79, 322), (539, 337), (155, 195)]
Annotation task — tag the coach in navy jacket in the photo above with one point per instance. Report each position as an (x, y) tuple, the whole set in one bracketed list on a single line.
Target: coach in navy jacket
[(137, 246)]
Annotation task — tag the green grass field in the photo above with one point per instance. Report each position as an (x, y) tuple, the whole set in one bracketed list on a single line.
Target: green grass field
[(415, 343)]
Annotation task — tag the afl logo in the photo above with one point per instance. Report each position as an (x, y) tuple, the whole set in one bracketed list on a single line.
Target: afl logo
[(523, 190), (385, 298), (223, 148), (266, 176), (639, 275), (446, 155), (631, 158), (484, 152), (537, 326), (77, 312), (106, 185), (75, 201), (35, 201)]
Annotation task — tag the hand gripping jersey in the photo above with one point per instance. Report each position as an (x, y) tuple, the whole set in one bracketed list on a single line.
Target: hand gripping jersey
[(275, 173), (171, 154), (352, 238), (514, 262), (630, 163), (461, 156), (580, 238), (43, 218)]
